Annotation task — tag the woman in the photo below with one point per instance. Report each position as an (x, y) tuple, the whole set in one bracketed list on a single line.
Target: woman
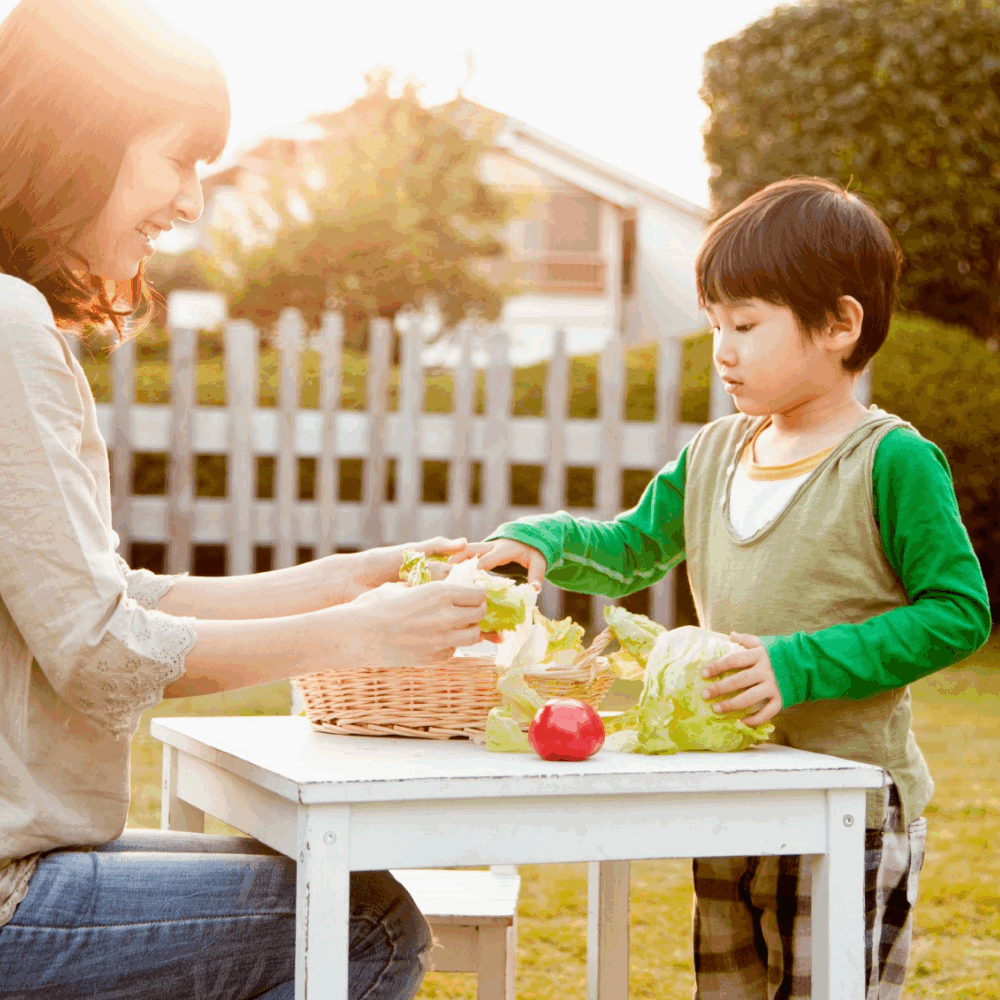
[(104, 114)]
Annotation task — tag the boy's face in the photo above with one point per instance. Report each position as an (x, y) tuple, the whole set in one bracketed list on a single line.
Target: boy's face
[(765, 362)]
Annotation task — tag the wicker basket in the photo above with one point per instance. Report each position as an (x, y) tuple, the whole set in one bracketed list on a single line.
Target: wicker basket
[(440, 701)]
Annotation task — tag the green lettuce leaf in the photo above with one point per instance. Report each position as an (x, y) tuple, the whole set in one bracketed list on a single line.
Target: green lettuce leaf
[(626, 666), (519, 650), (636, 633), (415, 569), (504, 735), (508, 604), (564, 635)]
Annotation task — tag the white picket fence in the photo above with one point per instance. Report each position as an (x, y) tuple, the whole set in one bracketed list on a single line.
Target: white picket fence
[(242, 430)]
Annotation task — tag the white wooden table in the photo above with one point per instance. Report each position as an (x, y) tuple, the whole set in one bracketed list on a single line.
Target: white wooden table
[(342, 803)]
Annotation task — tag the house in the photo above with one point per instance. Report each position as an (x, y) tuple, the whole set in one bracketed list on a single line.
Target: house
[(601, 252)]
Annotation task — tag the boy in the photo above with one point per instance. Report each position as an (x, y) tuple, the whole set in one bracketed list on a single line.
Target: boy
[(827, 533)]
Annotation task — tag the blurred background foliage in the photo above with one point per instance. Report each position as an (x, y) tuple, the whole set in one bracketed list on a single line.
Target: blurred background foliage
[(397, 225), (898, 98)]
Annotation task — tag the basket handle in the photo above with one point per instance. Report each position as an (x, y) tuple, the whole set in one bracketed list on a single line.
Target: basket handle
[(590, 657)]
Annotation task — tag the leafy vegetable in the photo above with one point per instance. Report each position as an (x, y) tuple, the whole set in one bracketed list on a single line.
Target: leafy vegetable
[(672, 715), (626, 666), (507, 603), (504, 735), (636, 633), (519, 650), (564, 636), (415, 569)]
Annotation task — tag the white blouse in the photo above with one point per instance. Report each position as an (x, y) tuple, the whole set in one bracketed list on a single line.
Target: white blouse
[(83, 652)]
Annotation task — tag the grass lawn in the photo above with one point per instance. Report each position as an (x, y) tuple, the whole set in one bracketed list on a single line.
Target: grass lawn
[(957, 944)]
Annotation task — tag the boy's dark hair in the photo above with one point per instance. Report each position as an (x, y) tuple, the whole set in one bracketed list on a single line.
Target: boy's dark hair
[(803, 242)]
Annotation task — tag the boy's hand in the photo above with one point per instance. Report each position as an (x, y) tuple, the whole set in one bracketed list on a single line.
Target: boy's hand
[(504, 550), (755, 680)]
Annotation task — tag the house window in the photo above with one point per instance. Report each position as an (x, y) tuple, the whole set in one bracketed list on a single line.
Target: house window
[(573, 222)]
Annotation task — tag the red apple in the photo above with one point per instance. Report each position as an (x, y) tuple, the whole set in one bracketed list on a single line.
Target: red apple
[(566, 729)]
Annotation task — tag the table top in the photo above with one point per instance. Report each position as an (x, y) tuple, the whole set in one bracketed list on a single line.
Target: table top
[(285, 755)]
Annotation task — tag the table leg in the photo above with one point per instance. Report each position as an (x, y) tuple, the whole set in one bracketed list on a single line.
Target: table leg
[(607, 930), (492, 964), (175, 813), (838, 901), (322, 909)]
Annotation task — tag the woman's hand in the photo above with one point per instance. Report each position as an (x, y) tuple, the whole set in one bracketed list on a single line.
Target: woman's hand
[(381, 565), (501, 551), (416, 625)]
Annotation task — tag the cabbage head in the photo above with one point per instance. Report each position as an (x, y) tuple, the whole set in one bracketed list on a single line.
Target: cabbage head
[(672, 715)]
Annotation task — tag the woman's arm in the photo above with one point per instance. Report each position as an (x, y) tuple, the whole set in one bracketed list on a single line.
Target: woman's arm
[(295, 590), (415, 626)]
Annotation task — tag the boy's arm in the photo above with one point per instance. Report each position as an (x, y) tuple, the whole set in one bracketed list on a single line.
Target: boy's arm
[(926, 544), (617, 557)]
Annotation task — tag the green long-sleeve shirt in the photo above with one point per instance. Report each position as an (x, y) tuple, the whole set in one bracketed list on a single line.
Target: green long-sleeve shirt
[(923, 540)]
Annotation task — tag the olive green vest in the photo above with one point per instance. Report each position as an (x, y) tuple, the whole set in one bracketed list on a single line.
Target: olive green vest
[(818, 563)]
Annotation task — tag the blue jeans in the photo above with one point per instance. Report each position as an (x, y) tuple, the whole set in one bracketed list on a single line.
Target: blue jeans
[(164, 915)]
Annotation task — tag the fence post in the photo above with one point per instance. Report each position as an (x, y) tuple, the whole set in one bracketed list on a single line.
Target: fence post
[(496, 440), (411, 385), (462, 411), (379, 361), (331, 350), (122, 396), (553, 491), (669, 379), (183, 390), (241, 347), (611, 398), (556, 397), (289, 337)]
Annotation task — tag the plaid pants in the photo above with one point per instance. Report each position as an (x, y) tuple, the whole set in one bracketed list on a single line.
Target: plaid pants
[(752, 918)]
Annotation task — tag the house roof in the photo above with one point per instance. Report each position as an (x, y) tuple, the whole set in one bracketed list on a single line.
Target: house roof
[(572, 164), (516, 137), (519, 130)]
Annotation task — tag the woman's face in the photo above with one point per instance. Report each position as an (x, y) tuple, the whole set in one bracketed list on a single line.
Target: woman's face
[(157, 184)]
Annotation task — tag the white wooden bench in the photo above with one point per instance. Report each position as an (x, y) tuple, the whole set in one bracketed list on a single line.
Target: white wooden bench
[(473, 915)]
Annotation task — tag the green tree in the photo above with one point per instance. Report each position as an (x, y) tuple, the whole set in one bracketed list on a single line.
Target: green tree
[(401, 222), (898, 98)]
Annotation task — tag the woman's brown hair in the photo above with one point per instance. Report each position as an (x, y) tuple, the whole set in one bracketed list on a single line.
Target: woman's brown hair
[(803, 242), (79, 83)]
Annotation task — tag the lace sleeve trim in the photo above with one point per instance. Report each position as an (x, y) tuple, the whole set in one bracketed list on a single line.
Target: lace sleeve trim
[(140, 654), (146, 588)]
